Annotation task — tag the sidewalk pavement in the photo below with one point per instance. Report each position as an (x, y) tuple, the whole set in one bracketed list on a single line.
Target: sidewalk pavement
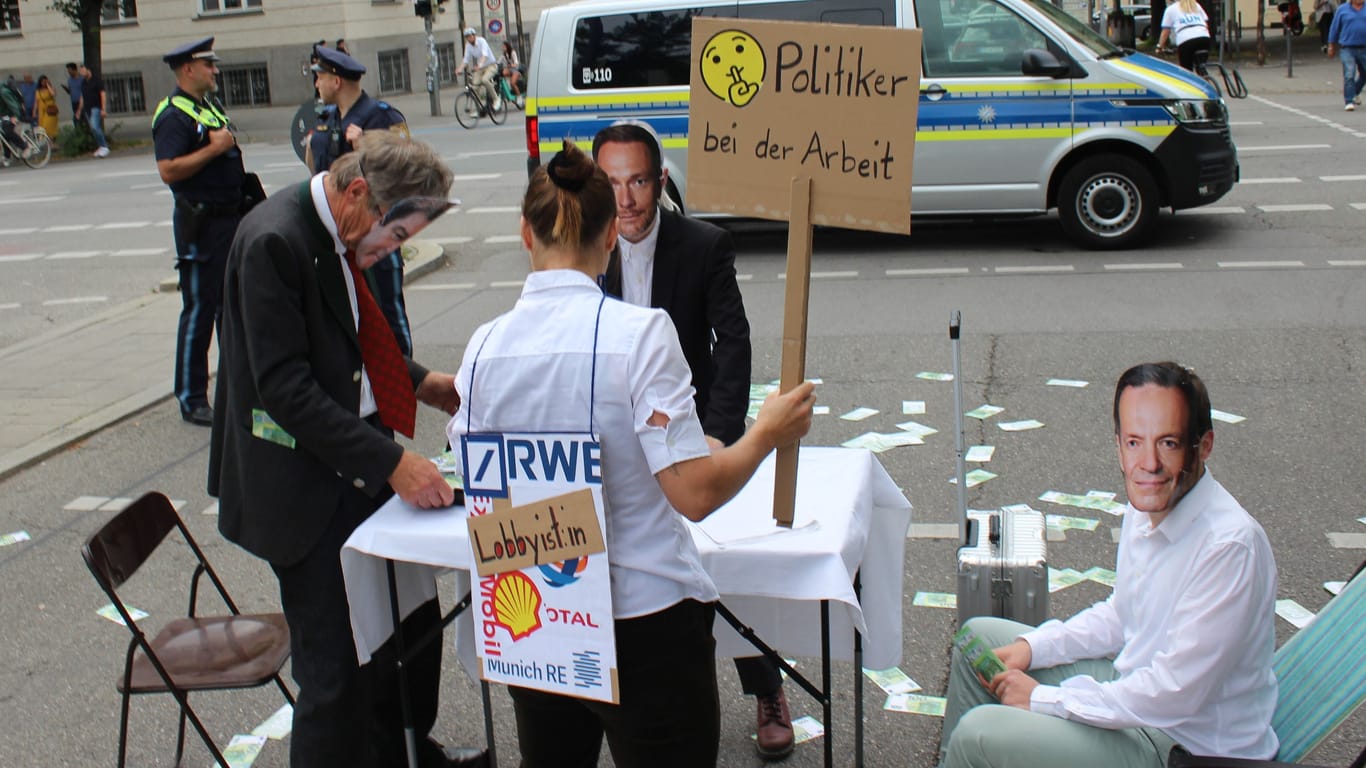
[(74, 381), (117, 363)]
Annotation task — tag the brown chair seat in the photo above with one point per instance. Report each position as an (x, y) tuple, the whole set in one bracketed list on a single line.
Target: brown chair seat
[(214, 653)]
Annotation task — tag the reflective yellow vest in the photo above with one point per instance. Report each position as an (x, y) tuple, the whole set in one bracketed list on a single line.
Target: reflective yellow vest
[(210, 118)]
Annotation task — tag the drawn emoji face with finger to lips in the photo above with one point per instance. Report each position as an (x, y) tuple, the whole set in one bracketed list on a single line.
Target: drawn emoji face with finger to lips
[(733, 66)]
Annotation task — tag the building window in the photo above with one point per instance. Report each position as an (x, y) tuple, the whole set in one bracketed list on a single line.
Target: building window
[(227, 6), (9, 15), (244, 85), (393, 72), (445, 63), (124, 93), (119, 12)]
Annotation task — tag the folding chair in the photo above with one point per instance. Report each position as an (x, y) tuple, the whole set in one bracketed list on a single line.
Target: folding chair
[(196, 653), (1321, 675)]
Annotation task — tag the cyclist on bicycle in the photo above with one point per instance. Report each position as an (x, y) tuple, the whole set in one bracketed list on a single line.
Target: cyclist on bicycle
[(11, 112), (483, 64), (1186, 21)]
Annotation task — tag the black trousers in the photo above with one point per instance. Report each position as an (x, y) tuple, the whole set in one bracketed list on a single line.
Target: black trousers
[(758, 676), (1185, 52), (669, 714), (345, 714), (201, 263)]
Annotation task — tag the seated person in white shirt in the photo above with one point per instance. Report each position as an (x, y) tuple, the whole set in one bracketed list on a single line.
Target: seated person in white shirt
[(1189, 626)]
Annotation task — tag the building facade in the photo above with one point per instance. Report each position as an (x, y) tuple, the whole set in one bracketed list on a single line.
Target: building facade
[(265, 44)]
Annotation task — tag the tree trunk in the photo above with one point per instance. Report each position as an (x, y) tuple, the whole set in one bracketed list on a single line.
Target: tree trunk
[(91, 18)]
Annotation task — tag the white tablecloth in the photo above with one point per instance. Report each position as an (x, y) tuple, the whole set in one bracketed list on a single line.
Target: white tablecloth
[(850, 516)]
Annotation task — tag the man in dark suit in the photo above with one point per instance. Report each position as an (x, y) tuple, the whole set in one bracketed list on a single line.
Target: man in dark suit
[(687, 268), (311, 383)]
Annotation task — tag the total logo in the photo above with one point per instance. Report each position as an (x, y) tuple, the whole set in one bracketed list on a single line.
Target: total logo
[(563, 573)]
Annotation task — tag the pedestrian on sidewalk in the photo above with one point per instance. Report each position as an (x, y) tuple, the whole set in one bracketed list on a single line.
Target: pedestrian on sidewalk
[(350, 111), (92, 108), (74, 81), (1348, 36), (1323, 19), (198, 157)]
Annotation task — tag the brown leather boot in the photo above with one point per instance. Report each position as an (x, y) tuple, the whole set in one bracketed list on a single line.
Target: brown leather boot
[(774, 740)]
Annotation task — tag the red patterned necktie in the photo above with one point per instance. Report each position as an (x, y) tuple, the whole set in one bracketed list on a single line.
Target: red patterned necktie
[(389, 379)]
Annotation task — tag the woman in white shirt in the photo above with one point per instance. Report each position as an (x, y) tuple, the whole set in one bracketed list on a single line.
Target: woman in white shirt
[(511, 68), (1187, 22), (567, 355)]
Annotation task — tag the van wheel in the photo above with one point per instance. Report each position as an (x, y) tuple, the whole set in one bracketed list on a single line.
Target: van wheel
[(1107, 202)]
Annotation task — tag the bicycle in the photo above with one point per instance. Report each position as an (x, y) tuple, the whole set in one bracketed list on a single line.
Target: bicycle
[(469, 107), (1233, 85), (36, 149), (504, 90)]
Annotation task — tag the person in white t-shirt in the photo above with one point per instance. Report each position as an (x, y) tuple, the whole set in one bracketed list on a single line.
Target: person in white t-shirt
[(1190, 625), (1187, 24), (567, 356)]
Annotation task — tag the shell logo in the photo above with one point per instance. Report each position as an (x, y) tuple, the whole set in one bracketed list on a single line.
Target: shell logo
[(517, 604)]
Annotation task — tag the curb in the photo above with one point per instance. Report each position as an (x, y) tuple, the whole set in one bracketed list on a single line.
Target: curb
[(420, 258)]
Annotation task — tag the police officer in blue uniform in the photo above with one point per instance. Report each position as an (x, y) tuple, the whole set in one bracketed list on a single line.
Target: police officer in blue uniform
[(198, 157), (349, 111)]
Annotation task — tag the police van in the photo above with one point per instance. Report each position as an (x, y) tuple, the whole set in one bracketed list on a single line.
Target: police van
[(1023, 108)]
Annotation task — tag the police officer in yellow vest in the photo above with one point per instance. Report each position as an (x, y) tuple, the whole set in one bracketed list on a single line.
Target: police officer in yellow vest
[(197, 155)]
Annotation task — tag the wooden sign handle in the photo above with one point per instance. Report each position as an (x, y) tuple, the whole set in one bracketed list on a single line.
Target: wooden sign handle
[(795, 303)]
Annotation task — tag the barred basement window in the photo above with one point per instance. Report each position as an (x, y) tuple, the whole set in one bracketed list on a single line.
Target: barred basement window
[(244, 85), (445, 63), (124, 93), (9, 15), (393, 72)]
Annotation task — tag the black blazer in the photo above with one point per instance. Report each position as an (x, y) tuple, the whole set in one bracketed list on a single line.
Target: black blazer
[(694, 281), (287, 346)]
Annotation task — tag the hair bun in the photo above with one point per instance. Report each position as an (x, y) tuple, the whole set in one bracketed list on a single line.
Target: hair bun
[(562, 172)]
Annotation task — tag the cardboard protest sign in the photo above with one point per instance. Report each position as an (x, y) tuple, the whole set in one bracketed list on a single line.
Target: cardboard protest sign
[(544, 601), (813, 124), (773, 100)]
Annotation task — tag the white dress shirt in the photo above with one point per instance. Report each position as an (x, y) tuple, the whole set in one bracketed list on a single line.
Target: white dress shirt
[(315, 187), (638, 266), (1191, 628), (536, 373), (478, 51)]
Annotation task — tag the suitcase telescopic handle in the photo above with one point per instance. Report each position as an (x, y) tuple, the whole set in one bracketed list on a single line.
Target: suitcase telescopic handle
[(955, 327)]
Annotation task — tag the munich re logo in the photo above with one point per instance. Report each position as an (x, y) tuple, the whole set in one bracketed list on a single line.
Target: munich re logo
[(732, 66)]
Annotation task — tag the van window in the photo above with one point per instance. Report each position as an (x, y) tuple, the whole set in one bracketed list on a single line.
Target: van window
[(873, 13), (636, 50), (974, 38)]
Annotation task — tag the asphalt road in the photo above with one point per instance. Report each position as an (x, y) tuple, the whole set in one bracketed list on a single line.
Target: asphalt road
[(1264, 295)]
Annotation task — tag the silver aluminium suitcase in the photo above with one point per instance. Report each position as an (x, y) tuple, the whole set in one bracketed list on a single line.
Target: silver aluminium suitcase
[(1004, 570), (1002, 557)]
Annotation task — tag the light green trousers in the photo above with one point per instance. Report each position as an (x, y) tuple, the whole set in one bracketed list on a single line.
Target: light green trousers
[(981, 733)]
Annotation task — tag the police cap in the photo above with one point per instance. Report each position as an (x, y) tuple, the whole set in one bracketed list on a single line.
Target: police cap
[(334, 62), (200, 49)]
